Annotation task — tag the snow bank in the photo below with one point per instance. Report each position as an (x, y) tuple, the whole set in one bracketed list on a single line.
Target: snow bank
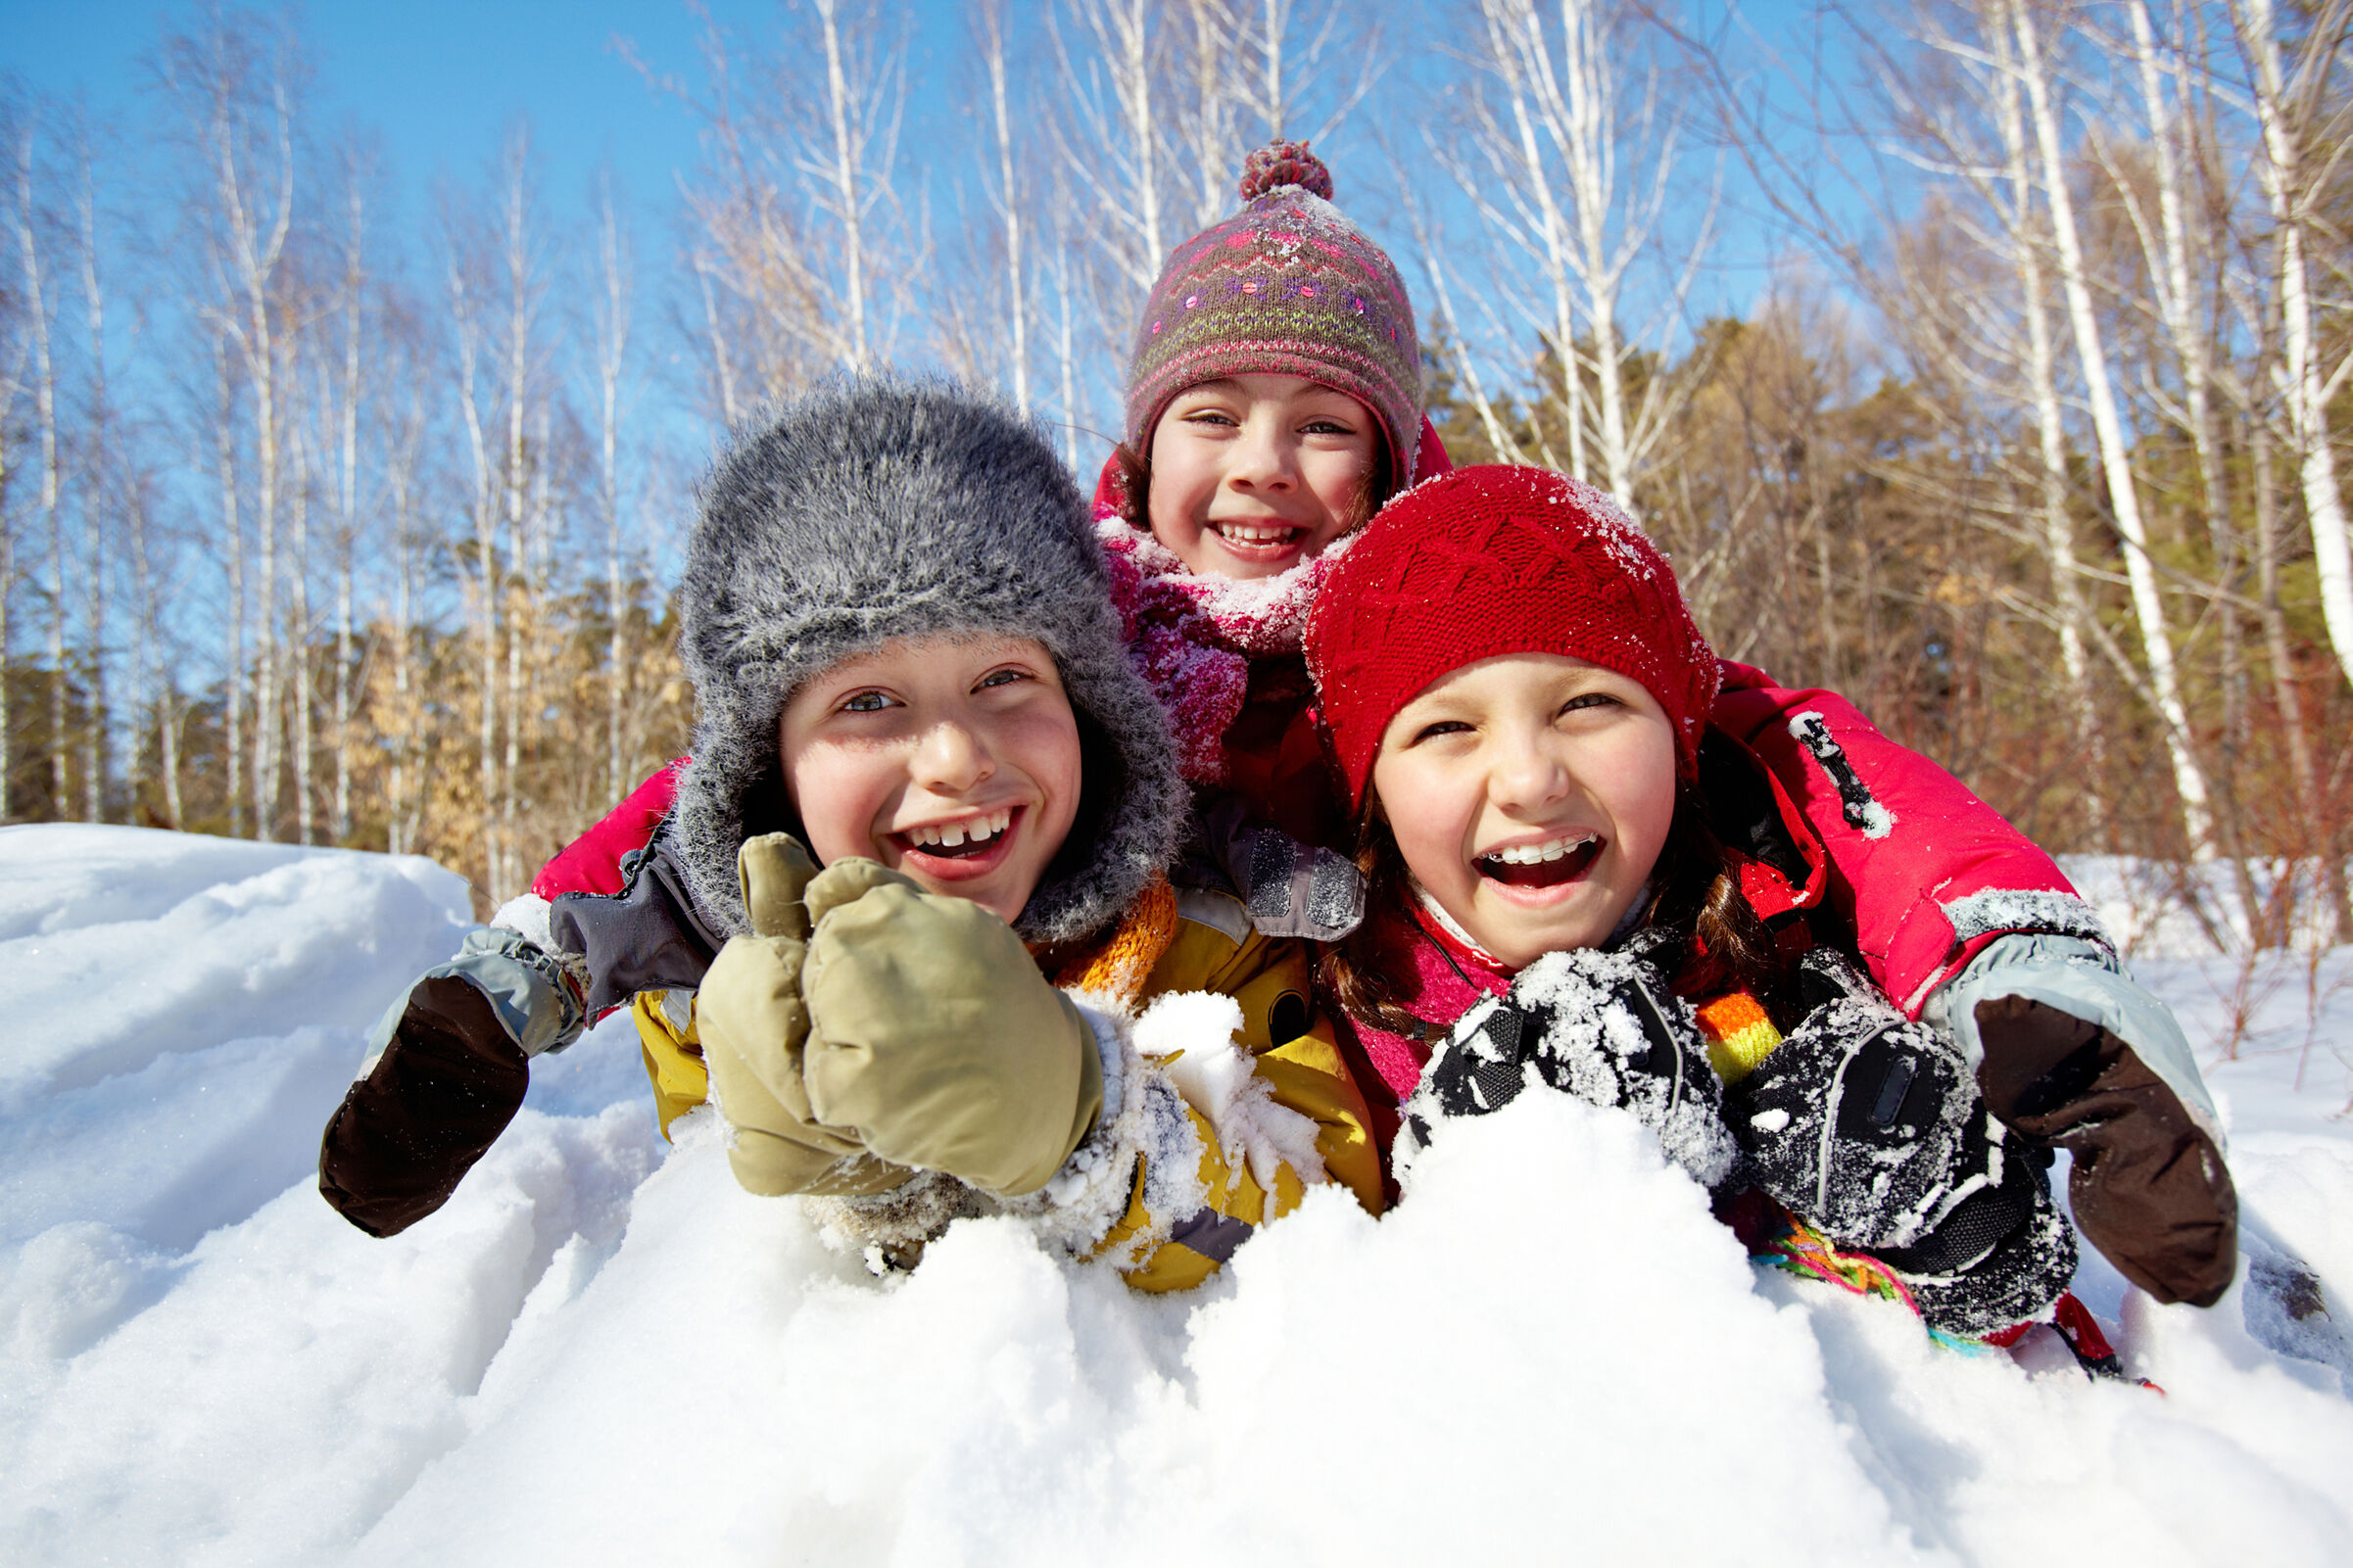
[(602, 1352)]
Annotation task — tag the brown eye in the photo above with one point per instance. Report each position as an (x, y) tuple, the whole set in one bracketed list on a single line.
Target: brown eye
[(1430, 732), (997, 677)]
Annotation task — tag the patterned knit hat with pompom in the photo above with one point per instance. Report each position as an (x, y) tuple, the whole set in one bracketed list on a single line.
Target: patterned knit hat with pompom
[(1286, 287), (1489, 561)]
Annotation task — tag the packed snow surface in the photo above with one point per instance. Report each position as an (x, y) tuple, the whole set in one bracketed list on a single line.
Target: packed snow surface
[(602, 1352)]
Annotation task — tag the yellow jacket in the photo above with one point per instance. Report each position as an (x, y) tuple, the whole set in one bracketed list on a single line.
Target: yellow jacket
[(1212, 948)]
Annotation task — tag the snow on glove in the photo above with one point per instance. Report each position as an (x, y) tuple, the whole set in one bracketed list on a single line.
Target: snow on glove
[(934, 1035), (1603, 1027), (1864, 1123), (754, 1030), (451, 1072), (1972, 1276)]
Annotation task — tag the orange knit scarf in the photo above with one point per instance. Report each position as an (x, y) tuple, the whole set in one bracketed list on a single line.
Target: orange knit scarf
[(1119, 968)]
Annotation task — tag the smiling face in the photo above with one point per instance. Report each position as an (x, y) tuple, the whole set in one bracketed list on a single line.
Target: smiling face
[(1252, 475), (1531, 795), (952, 759)]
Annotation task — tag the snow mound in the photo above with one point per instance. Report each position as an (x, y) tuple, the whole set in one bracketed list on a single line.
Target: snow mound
[(602, 1352)]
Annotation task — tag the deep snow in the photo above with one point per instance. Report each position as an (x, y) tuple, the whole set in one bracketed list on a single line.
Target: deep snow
[(602, 1352)]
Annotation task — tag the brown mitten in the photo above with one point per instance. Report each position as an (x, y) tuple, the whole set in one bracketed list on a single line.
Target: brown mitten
[(2149, 1188)]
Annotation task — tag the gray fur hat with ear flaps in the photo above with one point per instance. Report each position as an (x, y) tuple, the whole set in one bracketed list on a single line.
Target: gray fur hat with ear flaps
[(878, 508)]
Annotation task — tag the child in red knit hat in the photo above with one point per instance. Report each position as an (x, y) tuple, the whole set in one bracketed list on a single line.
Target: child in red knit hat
[(1576, 879)]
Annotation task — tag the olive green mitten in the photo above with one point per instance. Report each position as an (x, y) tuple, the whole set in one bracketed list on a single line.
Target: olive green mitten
[(934, 1035), (755, 1026)]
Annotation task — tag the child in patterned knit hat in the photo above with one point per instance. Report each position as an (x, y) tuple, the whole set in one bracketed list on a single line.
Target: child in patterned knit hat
[(1576, 881), (1273, 402)]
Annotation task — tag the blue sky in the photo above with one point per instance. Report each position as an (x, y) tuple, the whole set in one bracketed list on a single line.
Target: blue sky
[(440, 80)]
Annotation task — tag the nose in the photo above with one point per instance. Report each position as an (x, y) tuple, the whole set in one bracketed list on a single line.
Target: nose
[(1265, 457), (1526, 773), (951, 758)]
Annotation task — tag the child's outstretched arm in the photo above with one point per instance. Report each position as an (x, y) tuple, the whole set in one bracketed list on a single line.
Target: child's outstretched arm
[(1871, 1129), (1958, 914), (451, 1067)]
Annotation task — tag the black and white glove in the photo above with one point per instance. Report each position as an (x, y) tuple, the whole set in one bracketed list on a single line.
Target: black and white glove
[(1603, 1027), (1872, 1129)]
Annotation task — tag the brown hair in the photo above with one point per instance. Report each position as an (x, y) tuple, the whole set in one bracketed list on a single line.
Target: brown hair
[(1693, 886)]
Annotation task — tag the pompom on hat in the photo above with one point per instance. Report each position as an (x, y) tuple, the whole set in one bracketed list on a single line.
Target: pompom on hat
[(1287, 286), (1490, 561)]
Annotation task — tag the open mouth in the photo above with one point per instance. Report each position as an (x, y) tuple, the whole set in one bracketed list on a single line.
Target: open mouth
[(1546, 865), (969, 839), (1262, 538)]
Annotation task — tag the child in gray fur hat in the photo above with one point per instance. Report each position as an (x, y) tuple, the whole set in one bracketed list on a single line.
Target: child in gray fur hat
[(909, 916)]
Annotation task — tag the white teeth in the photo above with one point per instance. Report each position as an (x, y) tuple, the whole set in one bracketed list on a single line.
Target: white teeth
[(1533, 854), (1245, 534), (956, 834)]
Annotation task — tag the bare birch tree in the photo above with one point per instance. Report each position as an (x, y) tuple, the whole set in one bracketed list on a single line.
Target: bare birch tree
[(1573, 155), (799, 210), (2295, 113), (2034, 68), (238, 98), (614, 300), (38, 309), (97, 471)]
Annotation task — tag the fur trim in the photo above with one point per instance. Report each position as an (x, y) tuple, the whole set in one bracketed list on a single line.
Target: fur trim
[(878, 508), (1143, 1118)]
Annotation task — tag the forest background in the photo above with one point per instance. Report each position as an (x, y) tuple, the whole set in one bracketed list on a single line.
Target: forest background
[(1988, 363)]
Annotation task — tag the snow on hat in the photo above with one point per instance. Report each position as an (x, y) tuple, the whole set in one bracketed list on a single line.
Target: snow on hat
[(1285, 287), (1489, 561), (876, 508)]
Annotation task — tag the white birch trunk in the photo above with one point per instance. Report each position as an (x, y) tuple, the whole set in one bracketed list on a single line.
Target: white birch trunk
[(847, 186), (299, 622), (232, 528), (347, 503), (465, 314), (612, 346), (2156, 640), (2303, 386), (1009, 201), (44, 401), (2058, 529), (97, 744)]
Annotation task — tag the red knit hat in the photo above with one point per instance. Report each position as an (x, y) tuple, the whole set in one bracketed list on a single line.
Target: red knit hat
[(1489, 561)]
